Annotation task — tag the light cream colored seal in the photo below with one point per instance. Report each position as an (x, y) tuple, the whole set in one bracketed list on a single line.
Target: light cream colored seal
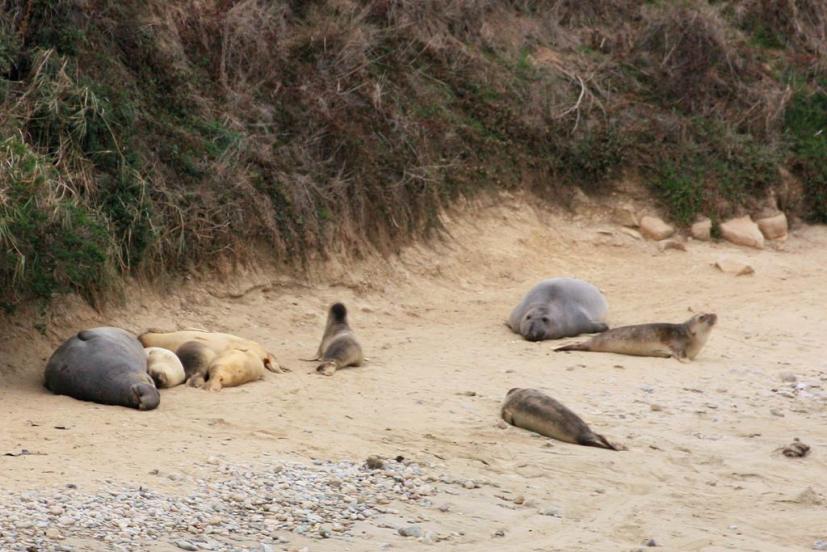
[(164, 367), (217, 342)]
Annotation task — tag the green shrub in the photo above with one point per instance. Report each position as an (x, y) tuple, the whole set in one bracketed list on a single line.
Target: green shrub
[(805, 125)]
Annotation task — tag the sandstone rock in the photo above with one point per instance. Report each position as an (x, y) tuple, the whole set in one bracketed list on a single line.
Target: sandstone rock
[(732, 266), (742, 231), (774, 227), (702, 230), (654, 228)]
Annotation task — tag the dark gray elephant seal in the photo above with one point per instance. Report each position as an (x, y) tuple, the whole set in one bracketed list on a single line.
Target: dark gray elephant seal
[(534, 410), (559, 307), (103, 365), (339, 347), (680, 341)]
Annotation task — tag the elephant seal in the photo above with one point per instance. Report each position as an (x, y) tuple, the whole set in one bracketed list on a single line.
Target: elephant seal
[(233, 367), (680, 341), (339, 347), (103, 365), (559, 307), (218, 342), (196, 358), (164, 367), (534, 410)]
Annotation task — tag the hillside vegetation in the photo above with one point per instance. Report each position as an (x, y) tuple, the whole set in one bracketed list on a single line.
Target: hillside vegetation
[(149, 136)]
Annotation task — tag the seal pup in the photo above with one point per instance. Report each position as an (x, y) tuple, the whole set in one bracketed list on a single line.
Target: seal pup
[(103, 365), (680, 341), (559, 307), (534, 410), (196, 358), (232, 368), (218, 342), (164, 367), (339, 347)]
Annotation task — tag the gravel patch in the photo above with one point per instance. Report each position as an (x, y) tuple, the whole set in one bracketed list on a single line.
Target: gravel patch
[(230, 505)]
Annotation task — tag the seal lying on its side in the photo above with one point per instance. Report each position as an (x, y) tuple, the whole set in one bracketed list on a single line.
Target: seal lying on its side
[(559, 307), (534, 410), (680, 341), (164, 367), (339, 347), (103, 365), (218, 342), (233, 367), (196, 358)]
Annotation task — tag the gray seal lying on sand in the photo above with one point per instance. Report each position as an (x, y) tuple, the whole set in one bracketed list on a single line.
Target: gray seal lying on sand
[(103, 365), (680, 341), (559, 307), (339, 347), (534, 410)]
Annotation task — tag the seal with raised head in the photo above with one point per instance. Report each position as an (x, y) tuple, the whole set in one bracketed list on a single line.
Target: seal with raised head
[(680, 341), (196, 358), (164, 367), (233, 367), (218, 342), (339, 347), (535, 411), (103, 365), (559, 307)]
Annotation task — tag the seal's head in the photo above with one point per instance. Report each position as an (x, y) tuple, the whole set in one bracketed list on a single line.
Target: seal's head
[(146, 396), (536, 324), (702, 323)]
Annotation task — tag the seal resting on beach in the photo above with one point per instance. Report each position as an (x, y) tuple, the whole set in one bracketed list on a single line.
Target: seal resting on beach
[(103, 365), (680, 341), (559, 307), (164, 367), (217, 342), (534, 410)]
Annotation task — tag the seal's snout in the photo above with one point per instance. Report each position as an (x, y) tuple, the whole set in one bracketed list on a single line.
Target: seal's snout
[(711, 318), (147, 396)]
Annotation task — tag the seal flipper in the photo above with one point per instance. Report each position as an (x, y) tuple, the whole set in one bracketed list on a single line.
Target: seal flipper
[(574, 347), (595, 440)]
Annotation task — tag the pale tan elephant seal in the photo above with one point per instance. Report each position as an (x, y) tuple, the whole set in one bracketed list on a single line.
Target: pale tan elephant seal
[(339, 347), (534, 410), (680, 341), (164, 367), (232, 368), (217, 342), (559, 307)]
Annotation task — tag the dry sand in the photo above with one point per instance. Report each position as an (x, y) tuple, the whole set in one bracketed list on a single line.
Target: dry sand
[(701, 471)]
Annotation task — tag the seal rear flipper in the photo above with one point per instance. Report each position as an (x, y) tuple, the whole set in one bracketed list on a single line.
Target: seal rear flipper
[(596, 440), (573, 347)]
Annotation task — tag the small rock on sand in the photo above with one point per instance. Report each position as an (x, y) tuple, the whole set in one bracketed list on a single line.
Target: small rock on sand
[(654, 228), (742, 231), (374, 463), (410, 531), (734, 266), (796, 449), (671, 244)]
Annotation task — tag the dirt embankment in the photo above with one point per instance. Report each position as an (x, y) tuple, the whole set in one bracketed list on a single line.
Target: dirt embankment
[(701, 472)]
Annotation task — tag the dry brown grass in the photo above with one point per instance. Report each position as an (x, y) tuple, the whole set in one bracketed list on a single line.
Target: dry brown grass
[(221, 129)]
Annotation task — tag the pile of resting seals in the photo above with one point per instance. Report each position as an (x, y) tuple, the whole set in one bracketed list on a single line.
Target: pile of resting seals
[(112, 366)]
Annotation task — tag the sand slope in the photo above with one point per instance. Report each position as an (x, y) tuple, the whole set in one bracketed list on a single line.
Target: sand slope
[(700, 473)]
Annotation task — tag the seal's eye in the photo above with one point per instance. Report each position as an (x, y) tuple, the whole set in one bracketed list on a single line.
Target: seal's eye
[(528, 317), (545, 319)]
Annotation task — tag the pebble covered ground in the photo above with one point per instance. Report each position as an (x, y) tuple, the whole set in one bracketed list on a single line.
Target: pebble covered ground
[(229, 504)]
